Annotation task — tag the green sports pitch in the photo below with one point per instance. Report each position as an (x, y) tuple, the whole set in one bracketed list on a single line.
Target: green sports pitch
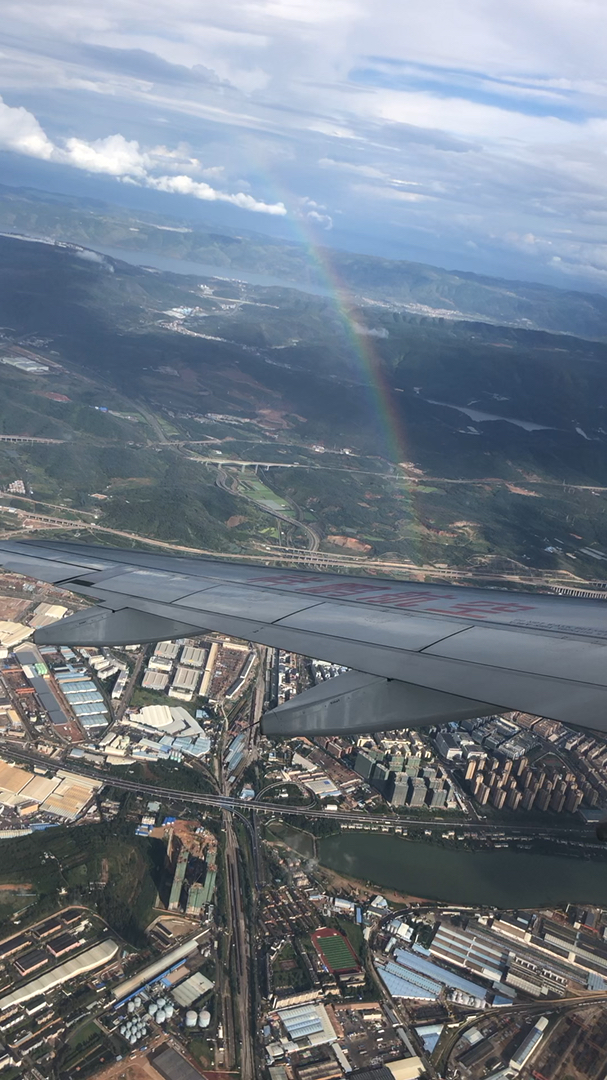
[(335, 951)]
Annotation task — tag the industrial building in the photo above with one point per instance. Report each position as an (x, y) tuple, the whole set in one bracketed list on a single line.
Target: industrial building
[(471, 949), (166, 650), (155, 680), (191, 989), (13, 945), (160, 733), (153, 971), (193, 657), (536, 955), (31, 961), (63, 943), (120, 685), (84, 698), (45, 614), (96, 957), (65, 795), (529, 1045), (185, 683), (322, 787), (50, 926), (307, 1025), (409, 975)]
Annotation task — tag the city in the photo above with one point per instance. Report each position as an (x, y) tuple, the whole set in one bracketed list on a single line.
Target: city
[(240, 946), (303, 540)]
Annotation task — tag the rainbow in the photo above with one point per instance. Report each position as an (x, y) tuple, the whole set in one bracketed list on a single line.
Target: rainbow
[(370, 362)]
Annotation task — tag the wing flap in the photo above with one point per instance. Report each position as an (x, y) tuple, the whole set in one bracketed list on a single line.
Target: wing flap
[(360, 704), (101, 626)]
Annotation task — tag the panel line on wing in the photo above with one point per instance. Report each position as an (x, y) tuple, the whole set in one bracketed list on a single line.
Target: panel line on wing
[(410, 632), (534, 653), (239, 600)]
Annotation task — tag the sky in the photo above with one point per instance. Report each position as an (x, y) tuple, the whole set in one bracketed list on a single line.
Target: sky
[(467, 133)]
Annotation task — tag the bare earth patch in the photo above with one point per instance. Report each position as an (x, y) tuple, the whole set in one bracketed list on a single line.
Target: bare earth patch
[(11, 608), (523, 491), (351, 543)]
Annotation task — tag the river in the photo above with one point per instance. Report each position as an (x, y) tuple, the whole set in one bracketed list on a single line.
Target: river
[(504, 878)]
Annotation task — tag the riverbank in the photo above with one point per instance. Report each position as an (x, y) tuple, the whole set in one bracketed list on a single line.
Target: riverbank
[(501, 878), (306, 845)]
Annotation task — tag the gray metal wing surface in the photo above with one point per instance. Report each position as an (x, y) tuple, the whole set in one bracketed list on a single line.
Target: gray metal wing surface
[(430, 652)]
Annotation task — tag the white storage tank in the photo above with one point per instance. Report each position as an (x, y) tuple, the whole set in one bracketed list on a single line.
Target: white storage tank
[(161, 1002), (191, 1018), (137, 1002), (169, 1010), (204, 1018), (160, 1016), (152, 1008), (130, 1007)]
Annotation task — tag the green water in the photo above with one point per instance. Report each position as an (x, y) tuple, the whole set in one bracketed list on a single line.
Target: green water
[(502, 878), (300, 841)]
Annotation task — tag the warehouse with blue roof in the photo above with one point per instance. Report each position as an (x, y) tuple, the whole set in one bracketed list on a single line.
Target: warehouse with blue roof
[(408, 974)]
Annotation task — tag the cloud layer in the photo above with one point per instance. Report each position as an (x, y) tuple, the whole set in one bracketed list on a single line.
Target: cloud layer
[(121, 158), (471, 132)]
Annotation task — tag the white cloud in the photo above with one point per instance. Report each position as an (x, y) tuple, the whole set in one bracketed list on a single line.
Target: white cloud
[(114, 155), (313, 212), (20, 131), (421, 115), (185, 185), (123, 159), (324, 220)]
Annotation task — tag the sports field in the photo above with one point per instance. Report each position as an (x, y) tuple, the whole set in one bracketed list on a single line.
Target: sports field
[(335, 951)]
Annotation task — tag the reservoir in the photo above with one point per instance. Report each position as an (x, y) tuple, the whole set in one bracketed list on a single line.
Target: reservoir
[(479, 417), (504, 878), (186, 266)]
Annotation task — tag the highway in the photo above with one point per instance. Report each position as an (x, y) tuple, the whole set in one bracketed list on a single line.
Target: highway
[(229, 802), (310, 556), (312, 537)]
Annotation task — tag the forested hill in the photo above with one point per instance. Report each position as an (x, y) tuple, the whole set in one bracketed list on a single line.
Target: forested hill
[(429, 289)]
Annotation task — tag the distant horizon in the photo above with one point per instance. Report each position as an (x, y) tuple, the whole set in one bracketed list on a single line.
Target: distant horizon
[(470, 135), (231, 221)]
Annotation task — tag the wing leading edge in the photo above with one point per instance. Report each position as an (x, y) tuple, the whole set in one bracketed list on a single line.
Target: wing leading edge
[(433, 652)]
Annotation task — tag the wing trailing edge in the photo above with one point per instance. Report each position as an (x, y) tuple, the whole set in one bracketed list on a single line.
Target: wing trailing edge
[(356, 703), (103, 626)]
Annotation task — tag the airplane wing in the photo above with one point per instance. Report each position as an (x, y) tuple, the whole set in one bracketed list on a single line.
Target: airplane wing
[(419, 654)]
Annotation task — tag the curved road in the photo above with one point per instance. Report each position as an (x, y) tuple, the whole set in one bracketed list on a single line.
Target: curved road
[(311, 535)]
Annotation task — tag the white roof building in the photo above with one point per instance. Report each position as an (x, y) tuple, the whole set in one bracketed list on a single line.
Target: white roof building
[(308, 1025), (87, 961), (12, 633)]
